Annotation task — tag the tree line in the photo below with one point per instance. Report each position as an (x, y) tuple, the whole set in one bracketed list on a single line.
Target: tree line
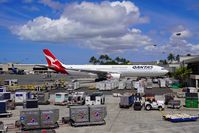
[(106, 60), (171, 57)]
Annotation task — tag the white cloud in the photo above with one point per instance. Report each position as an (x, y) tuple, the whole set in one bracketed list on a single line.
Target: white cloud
[(103, 26), (52, 4), (177, 44)]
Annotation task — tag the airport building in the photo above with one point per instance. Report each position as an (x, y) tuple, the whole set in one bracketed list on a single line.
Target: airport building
[(193, 64), (36, 68)]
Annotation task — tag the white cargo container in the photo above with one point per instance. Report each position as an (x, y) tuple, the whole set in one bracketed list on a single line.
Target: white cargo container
[(115, 83), (136, 84), (109, 85), (95, 98), (149, 84), (162, 83), (61, 98), (122, 84), (76, 98), (76, 85), (2, 89), (129, 84), (21, 97), (140, 90), (102, 85)]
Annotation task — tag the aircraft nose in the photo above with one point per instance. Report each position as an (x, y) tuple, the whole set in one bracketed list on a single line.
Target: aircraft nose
[(166, 71)]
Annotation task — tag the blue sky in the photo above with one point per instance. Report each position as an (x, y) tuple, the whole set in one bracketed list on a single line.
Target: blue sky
[(76, 30)]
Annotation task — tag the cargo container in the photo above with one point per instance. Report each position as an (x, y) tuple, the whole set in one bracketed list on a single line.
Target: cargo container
[(126, 101), (31, 103), (122, 85), (109, 85), (174, 104), (191, 100), (30, 119), (49, 118), (79, 114), (136, 84), (95, 98), (2, 89), (76, 98), (149, 84), (162, 83), (3, 109), (129, 84), (61, 98), (76, 85), (20, 97), (5, 95), (43, 98), (102, 85), (140, 90), (11, 82), (3, 106), (87, 115), (73, 85), (97, 113), (137, 105), (168, 97)]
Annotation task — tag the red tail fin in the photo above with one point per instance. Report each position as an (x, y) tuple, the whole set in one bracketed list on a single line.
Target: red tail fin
[(53, 62)]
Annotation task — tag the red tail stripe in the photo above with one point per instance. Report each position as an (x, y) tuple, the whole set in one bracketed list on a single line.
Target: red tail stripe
[(47, 52)]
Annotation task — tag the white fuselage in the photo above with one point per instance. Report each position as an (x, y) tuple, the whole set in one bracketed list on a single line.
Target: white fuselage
[(123, 70)]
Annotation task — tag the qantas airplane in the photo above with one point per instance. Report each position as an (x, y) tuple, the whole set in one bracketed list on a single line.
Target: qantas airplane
[(104, 71)]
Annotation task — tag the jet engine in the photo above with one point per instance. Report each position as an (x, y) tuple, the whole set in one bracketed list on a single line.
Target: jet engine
[(113, 76)]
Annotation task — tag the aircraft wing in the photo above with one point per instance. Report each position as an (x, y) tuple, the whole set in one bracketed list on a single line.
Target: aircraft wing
[(88, 71), (44, 66)]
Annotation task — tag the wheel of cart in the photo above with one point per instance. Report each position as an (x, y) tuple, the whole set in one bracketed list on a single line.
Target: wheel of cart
[(17, 123), (148, 107)]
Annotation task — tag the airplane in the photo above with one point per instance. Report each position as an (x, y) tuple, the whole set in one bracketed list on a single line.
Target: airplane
[(104, 72), (18, 71)]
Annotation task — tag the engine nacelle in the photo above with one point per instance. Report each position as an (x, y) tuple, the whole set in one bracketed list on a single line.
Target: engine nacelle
[(113, 76)]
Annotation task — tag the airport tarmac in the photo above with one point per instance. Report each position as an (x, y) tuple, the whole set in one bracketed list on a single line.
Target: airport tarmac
[(121, 120), (117, 120)]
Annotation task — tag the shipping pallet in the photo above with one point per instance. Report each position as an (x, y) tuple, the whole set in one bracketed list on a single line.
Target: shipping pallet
[(60, 104), (79, 124), (56, 125), (6, 114)]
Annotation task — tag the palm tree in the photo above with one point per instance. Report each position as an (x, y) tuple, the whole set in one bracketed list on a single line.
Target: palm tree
[(103, 59), (164, 62), (171, 57), (93, 60)]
